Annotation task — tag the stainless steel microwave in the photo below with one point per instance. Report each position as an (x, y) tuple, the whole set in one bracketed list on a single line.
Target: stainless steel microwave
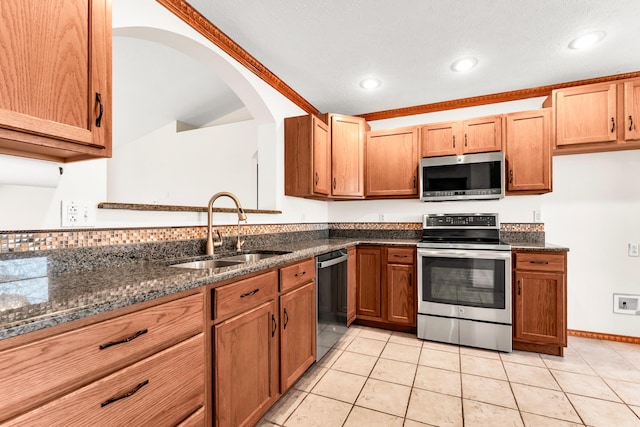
[(469, 177)]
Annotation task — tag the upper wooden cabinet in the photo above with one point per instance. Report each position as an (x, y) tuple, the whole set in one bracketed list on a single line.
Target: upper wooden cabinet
[(477, 135), (597, 117), (347, 155), (586, 114), (528, 152), (631, 115), (55, 79), (392, 163), (307, 157)]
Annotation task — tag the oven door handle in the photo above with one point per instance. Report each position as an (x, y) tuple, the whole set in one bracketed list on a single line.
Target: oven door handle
[(334, 261), (466, 253)]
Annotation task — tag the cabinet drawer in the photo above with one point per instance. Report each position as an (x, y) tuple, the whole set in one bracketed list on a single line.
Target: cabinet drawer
[(539, 261), (45, 369), (400, 255), (197, 419), (244, 294), (160, 390), (297, 274)]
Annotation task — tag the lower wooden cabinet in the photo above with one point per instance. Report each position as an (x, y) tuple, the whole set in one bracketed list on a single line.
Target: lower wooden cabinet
[(352, 267), (540, 302), (135, 368), (297, 333), (246, 366), (386, 293)]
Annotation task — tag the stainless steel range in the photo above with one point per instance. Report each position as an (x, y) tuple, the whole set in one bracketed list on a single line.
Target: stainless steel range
[(464, 281)]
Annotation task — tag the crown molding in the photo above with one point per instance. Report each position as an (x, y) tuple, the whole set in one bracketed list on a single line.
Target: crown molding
[(494, 98)]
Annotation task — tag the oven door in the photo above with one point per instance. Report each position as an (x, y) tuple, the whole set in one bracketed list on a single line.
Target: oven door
[(468, 284)]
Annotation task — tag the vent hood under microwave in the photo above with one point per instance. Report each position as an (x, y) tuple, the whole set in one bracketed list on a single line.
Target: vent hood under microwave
[(469, 177)]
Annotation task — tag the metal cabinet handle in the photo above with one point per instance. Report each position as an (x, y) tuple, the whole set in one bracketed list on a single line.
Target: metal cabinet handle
[(300, 274), (510, 176), (99, 118), (124, 396), (539, 262), (400, 256), (519, 287), (317, 178), (248, 294), (286, 319), (465, 139), (125, 340), (414, 181), (275, 325), (630, 123), (454, 141), (334, 183), (613, 125)]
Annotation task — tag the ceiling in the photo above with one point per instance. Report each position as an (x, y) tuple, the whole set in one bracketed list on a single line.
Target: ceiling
[(323, 49)]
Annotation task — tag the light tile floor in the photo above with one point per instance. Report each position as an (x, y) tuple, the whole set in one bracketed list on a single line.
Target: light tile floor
[(379, 378)]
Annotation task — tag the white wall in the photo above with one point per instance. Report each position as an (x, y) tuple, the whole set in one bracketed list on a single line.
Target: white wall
[(594, 210)]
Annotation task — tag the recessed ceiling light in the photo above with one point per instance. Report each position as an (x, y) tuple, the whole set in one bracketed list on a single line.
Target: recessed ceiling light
[(587, 40), (370, 83), (464, 64)]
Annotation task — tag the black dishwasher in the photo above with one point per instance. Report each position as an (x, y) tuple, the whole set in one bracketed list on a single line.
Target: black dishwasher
[(331, 299)]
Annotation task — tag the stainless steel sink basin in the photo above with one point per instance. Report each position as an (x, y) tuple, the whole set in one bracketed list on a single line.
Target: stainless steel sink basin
[(252, 256), (249, 256), (207, 264)]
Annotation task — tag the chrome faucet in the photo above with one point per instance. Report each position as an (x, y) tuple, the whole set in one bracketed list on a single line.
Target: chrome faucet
[(241, 217)]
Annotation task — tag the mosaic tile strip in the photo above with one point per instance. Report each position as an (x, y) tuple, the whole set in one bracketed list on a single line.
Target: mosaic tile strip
[(525, 227), (36, 240)]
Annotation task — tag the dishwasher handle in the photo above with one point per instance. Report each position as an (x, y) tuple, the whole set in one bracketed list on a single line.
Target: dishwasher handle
[(334, 261)]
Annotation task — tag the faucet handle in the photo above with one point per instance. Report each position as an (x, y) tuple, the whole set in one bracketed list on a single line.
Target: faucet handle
[(239, 245), (217, 238)]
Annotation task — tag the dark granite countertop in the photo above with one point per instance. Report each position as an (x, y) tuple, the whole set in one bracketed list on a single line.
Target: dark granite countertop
[(32, 299)]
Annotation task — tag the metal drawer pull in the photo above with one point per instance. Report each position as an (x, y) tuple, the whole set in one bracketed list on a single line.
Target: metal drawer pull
[(286, 319), (300, 274), (126, 340), (248, 294), (400, 256), (539, 262), (124, 396)]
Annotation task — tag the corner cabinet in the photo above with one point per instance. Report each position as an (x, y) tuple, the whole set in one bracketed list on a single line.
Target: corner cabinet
[(392, 163), (528, 152), (307, 157), (540, 302), (55, 79)]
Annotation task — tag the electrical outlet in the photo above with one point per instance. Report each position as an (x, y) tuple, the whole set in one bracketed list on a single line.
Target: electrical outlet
[(633, 249), (77, 214), (381, 217), (537, 216)]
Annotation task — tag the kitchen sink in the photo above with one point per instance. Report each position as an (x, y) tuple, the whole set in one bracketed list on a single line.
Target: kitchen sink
[(229, 261), (207, 264)]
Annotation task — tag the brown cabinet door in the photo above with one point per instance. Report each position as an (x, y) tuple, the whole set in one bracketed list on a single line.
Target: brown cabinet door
[(482, 134), (528, 151), (347, 156), (56, 60), (297, 333), (369, 289), (585, 115), (631, 119), (352, 266), (539, 312), (440, 139), (246, 366), (400, 294), (392, 163), (321, 157)]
